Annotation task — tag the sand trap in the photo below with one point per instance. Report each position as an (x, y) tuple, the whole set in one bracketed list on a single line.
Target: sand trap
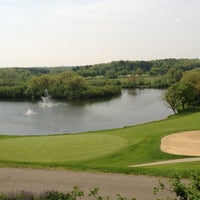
[(185, 143)]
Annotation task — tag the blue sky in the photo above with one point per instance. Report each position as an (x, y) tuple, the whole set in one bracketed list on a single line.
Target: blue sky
[(75, 32)]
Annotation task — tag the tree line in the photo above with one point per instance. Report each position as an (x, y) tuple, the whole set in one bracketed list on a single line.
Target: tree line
[(94, 81), (66, 85), (163, 73), (154, 67)]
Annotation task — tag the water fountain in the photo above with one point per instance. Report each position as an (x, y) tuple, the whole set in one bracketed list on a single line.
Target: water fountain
[(46, 100), (30, 112)]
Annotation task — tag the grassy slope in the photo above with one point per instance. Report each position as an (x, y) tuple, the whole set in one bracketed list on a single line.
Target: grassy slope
[(133, 145)]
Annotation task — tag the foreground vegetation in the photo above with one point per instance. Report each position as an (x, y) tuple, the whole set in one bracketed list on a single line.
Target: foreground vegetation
[(179, 189), (109, 150), (75, 194)]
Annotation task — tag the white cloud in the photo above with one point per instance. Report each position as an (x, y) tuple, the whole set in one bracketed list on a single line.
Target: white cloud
[(178, 20), (62, 32)]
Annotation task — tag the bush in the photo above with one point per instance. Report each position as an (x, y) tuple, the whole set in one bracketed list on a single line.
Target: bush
[(75, 194), (182, 190)]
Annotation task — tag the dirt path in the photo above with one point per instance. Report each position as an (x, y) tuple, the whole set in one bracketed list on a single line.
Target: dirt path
[(37, 180)]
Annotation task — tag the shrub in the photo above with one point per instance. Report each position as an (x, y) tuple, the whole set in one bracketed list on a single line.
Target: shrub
[(182, 190), (75, 194)]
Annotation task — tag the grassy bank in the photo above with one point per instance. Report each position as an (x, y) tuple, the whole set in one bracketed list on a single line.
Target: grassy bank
[(109, 150)]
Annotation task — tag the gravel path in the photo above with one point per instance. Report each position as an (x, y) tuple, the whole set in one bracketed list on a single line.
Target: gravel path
[(168, 162), (37, 180)]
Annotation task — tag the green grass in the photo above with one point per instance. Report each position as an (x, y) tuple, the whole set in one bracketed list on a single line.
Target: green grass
[(108, 150), (59, 148)]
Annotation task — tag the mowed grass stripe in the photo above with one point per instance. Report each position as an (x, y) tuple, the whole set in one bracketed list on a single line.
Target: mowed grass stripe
[(62, 148)]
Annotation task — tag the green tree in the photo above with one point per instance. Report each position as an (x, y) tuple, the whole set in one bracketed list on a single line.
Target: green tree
[(111, 74), (37, 85), (123, 72), (186, 93), (139, 71), (170, 76), (172, 97), (180, 94), (193, 77), (178, 75), (76, 87), (132, 81), (154, 71)]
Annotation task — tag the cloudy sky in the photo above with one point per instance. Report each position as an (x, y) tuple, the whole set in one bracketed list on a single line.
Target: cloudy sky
[(79, 32)]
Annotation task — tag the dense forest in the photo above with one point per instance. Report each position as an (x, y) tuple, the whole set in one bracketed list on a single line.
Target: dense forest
[(154, 67), (91, 81)]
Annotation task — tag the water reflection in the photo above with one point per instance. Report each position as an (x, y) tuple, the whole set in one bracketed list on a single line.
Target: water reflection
[(92, 101), (132, 92), (131, 107)]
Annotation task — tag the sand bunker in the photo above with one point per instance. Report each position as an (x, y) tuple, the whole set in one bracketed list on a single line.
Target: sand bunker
[(185, 143)]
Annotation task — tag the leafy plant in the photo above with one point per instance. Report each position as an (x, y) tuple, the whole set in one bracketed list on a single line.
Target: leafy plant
[(181, 189), (75, 194)]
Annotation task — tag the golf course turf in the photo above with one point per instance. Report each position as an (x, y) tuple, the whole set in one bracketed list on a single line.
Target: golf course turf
[(107, 150), (59, 148)]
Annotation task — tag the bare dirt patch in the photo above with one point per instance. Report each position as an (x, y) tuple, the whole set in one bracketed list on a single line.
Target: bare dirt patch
[(184, 143)]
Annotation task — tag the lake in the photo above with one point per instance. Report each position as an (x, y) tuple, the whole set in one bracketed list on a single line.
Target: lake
[(130, 108)]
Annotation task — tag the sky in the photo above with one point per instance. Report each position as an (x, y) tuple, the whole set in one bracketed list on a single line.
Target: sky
[(80, 32)]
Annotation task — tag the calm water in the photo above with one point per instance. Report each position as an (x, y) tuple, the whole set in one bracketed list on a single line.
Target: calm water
[(132, 107)]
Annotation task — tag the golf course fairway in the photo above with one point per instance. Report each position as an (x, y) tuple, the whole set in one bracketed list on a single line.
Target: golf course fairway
[(59, 148), (107, 150)]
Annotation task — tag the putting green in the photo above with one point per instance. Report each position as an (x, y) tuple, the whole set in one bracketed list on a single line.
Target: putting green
[(59, 148)]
